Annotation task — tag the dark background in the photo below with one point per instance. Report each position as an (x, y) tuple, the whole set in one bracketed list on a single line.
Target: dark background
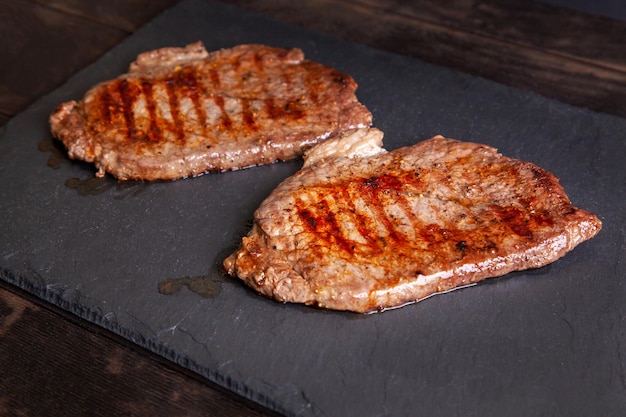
[(615, 9)]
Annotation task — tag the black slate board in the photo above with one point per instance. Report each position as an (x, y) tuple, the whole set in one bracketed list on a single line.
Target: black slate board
[(551, 341)]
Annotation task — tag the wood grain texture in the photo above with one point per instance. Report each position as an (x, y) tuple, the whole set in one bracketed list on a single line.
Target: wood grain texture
[(525, 23), (127, 15), (46, 47), (54, 364), (51, 40), (548, 50)]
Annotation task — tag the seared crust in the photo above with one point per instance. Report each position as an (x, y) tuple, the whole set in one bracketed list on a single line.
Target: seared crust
[(378, 232), (181, 112)]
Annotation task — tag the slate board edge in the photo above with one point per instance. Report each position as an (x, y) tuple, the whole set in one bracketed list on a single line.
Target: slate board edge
[(55, 297)]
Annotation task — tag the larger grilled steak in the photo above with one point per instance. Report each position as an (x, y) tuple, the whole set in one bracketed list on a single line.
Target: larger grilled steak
[(182, 112), (367, 233)]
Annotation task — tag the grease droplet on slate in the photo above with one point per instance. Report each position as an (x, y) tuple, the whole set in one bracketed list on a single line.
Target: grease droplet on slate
[(98, 185), (202, 285), (89, 186), (47, 144)]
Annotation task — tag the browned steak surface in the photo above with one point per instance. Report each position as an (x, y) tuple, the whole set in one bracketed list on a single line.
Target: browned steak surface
[(181, 112), (375, 232)]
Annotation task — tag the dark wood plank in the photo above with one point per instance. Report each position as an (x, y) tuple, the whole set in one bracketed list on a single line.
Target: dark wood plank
[(127, 15), (565, 68), (509, 42), (54, 364), (46, 47), (525, 23)]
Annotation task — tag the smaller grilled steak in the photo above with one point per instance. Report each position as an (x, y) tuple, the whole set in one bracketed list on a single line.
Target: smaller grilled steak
[(367, 233), (182, 112)]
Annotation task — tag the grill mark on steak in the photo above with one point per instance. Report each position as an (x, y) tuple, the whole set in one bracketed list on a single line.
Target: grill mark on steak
[(174, 109), (183, 84), (519, 221), (272, 110), (361, 220), (107, 103), (225, 122), (322, 220), (236, 64), (127, 94), (155, 129), (214, 76), (293, 110), (313, 88), (258, 61), (375, 190), (189, 85), (247, 116)]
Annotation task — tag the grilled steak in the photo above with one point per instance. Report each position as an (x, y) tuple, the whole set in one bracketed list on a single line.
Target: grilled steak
[(367, 233), (181, 112)]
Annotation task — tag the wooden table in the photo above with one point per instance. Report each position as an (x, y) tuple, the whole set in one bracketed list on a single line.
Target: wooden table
[(55, 364)]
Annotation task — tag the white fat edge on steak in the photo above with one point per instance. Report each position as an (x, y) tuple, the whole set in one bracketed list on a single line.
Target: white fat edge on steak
[(361, 143)]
